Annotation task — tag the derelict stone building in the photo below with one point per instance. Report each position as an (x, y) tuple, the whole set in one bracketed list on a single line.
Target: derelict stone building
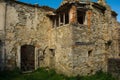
[(77, 38)]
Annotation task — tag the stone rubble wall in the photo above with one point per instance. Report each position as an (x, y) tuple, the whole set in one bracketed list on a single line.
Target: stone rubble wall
[(91, 46), (95, 45), (71, 49), (89, 53), (62, 42), (25, 25)]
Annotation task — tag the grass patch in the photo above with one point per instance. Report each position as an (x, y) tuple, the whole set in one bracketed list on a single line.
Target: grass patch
[(43, 74)]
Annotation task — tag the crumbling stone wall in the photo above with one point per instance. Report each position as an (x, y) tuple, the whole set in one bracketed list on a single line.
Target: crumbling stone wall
[(71, 49), (62, 42), (95, 43), (91, 44), (25, 25)]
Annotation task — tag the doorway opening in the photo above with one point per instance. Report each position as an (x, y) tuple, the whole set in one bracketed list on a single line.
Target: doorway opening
[(27, 58)]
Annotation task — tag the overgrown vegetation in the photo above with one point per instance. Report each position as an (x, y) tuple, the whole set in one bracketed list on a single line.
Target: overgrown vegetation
[(43, 74)]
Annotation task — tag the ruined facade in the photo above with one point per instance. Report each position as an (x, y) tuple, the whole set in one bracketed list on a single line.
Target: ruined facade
[(78, 38)]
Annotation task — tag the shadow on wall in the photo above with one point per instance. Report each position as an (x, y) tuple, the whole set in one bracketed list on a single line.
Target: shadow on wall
[(1, 64), (114, 67)]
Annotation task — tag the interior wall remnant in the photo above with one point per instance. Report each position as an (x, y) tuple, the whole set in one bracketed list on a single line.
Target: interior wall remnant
[(73, 14), (89, 14)]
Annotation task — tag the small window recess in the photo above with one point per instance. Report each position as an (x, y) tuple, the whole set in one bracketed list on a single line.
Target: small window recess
[(90, 53), (119, 55), (52, 51)]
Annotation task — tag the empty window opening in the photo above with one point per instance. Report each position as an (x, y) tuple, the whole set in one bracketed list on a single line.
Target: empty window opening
[(66, 18), (80, 17), (52, 52), (27, 58), (61, 20), (54, 22), (89, 53), (57, 21), (108, 44)]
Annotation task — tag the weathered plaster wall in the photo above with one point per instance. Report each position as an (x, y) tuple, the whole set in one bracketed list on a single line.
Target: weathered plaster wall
[(73, 14), (25, 25)]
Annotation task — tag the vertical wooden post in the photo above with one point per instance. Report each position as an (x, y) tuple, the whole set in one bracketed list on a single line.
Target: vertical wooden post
[(64, 19), (55, 24), (59, 20)]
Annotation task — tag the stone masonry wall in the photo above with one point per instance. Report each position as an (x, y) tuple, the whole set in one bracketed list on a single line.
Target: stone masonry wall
[(25, 25), (90, 46), (95, 44), (62, 42), (71, 49)]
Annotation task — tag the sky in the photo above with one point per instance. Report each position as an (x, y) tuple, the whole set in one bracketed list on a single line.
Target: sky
[(115, 4)]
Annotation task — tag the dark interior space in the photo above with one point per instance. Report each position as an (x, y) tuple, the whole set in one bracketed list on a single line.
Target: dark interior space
[(66, 18), (61, 19), (80, 17), (27, 58), (89, 53)]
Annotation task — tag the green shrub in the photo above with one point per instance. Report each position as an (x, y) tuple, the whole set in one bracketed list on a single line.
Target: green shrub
[(43, 74)]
